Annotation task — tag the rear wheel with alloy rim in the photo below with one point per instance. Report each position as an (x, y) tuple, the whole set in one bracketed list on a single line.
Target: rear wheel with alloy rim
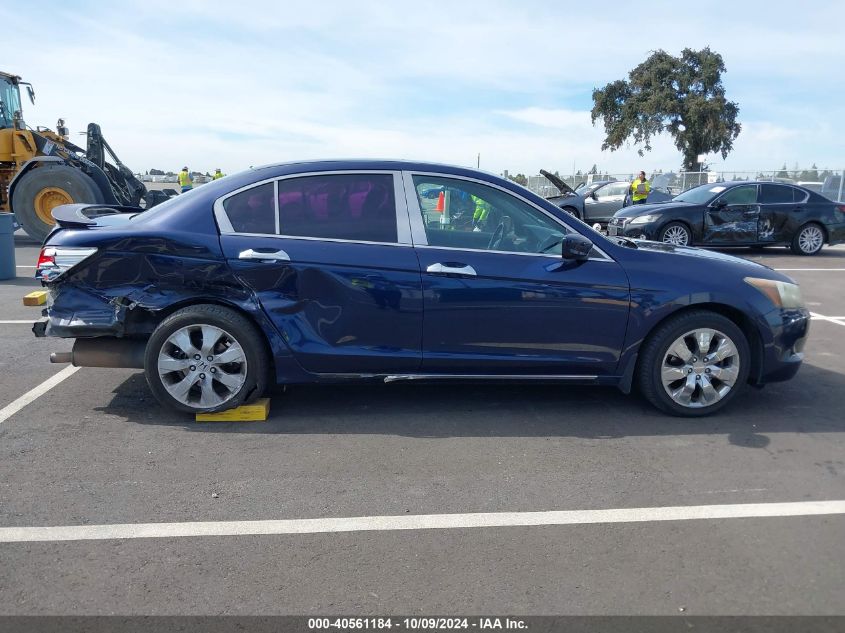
[(676, 233), (808, 240), (205, 358), (694, 364)]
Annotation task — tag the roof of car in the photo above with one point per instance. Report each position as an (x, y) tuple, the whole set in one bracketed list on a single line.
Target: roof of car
[(325, 164)]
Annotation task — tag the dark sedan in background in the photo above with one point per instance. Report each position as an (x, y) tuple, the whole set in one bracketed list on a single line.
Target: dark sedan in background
[(596, 202), (738, 214)]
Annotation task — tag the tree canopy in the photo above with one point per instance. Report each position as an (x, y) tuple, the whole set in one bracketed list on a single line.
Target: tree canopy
[(680, 95)]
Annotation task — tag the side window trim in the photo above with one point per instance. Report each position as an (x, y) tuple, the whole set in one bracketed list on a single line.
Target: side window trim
[(418, 227), (403, 226)]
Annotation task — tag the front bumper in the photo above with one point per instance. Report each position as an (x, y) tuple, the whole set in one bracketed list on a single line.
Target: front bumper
[(784, 353), (623, 227)]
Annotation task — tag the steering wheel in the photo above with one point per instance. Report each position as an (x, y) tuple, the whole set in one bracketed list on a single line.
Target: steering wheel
[(497, 237)]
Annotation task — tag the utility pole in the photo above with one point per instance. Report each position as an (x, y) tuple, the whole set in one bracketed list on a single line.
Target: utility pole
[(478, 161)]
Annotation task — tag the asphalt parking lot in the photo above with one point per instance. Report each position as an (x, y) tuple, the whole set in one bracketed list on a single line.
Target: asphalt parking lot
[(96, 449)]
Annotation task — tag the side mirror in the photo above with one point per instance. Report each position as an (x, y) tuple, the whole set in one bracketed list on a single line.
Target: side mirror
[(576, 247), (719, 204)]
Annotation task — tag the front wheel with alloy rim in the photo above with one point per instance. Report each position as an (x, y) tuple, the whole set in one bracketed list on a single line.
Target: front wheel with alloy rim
[(808, 240), (206, 358), (675, 233), (694, 364)]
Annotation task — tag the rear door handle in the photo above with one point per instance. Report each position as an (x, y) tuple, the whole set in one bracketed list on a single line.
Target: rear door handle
[(268, 256), (451, 269)]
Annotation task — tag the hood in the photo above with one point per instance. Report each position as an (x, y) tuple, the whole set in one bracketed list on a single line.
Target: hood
[(557, 182), (652, 207), (700, 253)]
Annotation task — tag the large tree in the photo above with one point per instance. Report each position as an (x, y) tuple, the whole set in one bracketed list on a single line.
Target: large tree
[(680, 95)]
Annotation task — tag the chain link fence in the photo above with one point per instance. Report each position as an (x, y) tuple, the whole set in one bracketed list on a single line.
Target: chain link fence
[(828, 182)]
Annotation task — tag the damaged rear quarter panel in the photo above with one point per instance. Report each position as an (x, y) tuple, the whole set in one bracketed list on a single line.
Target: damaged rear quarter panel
[(138, 277)]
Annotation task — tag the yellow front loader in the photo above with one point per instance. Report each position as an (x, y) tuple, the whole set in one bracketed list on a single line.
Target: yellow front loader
[(40, 169)]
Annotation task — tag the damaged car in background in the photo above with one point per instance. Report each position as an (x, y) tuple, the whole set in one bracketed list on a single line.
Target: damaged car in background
[(596, 202), (339, 271), (738, 213)]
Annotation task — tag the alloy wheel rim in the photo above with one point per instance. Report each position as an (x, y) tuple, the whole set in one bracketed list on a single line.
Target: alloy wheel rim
[(676, 235), (700, 368), (811, 239), (202, 366)]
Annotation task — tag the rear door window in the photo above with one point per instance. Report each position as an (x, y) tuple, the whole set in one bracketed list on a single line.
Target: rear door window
[(776, 194), (355, 207), (252, 210)]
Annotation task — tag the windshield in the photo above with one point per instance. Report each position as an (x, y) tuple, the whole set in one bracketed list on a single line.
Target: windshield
[(10, 102), (661, 181), (701, 194), (586, 189)]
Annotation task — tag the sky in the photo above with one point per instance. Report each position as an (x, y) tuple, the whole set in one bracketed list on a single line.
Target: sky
[(229, 85)]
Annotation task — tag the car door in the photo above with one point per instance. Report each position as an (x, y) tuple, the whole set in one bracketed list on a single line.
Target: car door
[(499, 299), (781, 210), (330, 260), (732, 217), (609, 199)]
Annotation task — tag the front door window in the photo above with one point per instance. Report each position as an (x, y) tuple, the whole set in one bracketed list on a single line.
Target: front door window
[(468, 215)]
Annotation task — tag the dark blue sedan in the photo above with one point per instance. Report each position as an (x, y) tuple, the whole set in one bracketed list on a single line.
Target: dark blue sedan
[(338, 271)]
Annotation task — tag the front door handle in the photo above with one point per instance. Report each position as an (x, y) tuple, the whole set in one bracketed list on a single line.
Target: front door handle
[(451, 269), (268, 256)]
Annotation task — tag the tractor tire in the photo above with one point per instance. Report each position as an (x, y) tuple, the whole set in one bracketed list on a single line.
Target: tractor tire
[(42, 189)]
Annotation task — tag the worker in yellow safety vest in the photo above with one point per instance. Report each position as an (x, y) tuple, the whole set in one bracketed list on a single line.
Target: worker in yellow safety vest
[(185, 180), (482, 209), (218, 174), (639, 189)]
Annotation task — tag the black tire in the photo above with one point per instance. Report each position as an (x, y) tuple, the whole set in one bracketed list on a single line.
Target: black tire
[(235, 325), (572, 211), (675, 227), (800, 243), (656, 347), (74, 182)]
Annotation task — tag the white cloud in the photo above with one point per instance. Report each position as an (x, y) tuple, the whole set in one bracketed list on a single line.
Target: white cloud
[(258, 82)]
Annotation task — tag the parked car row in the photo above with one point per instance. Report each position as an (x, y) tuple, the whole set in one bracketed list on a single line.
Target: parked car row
[(353, 270)]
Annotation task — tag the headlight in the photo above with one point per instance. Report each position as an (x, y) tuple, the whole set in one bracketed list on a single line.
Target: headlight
[(781, 293), (644, 219)]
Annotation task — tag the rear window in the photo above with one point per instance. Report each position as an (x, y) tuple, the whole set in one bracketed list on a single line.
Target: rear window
[(356, 207)]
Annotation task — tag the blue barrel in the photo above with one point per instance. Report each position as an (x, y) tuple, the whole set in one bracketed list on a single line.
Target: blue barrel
[(7, 246)]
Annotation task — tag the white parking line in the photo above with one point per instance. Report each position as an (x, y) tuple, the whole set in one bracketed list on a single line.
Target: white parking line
[(19, 266), (821, 317), (416, 522), (12, 322), (11, 409)]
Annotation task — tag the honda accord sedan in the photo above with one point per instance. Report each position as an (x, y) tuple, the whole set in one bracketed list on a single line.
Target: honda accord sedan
[(326, 272), (738, 214)]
